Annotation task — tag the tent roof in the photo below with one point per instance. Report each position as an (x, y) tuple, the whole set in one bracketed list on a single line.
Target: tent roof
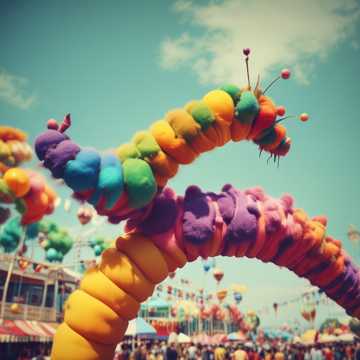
[(139, 327)]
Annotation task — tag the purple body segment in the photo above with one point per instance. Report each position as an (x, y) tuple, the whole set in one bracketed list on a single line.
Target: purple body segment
[(199, 216), (57, 157)]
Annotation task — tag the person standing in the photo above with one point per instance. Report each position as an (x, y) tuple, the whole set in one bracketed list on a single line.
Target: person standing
[(220, 353), (316, 353), (192, 352), (240, 354), (171, 353), (207, 353), (357, 352), (279, 355)]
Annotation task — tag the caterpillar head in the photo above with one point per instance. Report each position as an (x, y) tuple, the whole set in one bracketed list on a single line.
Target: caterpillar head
[(257, 118)]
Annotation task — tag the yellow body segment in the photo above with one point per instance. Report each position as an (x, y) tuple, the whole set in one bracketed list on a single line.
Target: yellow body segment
[(125, 274), (93, 319), (96, 284), (183, 124), (172, 145), (163, 165), (221, 103), (144, 254), (68, 344)]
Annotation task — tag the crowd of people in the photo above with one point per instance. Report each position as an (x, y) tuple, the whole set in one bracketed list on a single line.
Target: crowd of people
[(156, 350), (161, 350)]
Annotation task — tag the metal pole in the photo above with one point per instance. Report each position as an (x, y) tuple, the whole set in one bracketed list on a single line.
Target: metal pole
[(43, 300), (9, 273), (56, 289), (79, 240)]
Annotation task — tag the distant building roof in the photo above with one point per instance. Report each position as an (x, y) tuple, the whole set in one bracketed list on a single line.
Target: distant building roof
[(156, 303)]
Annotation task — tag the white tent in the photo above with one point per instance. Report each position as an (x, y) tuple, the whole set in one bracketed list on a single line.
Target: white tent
[(139, 327), (326, 338), (348, 337), (183, 339)]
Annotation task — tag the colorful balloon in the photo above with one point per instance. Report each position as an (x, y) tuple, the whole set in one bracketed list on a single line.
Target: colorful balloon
[(221, 295), (276, 308), (252, 321), (308, 313), (51, 255), (18, 181), (16, 308), (54, 240), (99, 244), (239, 288), (84, 215), (206, 266), (237, 297), (32, 197), (13, 148), (218, 274)]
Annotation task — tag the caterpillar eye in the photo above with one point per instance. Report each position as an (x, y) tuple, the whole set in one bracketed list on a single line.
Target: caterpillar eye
[(280, 110)]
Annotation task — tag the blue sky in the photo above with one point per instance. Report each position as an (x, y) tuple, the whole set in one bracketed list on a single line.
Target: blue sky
[(117, 66)]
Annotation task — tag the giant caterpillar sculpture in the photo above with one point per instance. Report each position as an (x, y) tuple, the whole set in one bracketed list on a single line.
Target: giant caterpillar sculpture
[(165, 231)]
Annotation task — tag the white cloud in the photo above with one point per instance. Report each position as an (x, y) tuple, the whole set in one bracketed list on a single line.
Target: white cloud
[(13, 90), (176, 51), (182, 6), (280, 33)]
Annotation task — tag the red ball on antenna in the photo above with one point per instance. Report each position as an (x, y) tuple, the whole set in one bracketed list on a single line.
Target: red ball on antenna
[(285, 74), (52, 124), (246, 51), (280, 110), (304, 117)]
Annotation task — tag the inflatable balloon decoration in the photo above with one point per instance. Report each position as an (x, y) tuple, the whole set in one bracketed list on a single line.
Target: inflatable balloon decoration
[(235, 315), (308, 312), (54, 240), (329, 326), (84, 215), (237, 297), (165, 231), (206, 266), (221, 295), (252, 321), (12, 232), (99, 244), (30, 194), (14, 149), (218, 274), (238, 291), (33, 199)]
